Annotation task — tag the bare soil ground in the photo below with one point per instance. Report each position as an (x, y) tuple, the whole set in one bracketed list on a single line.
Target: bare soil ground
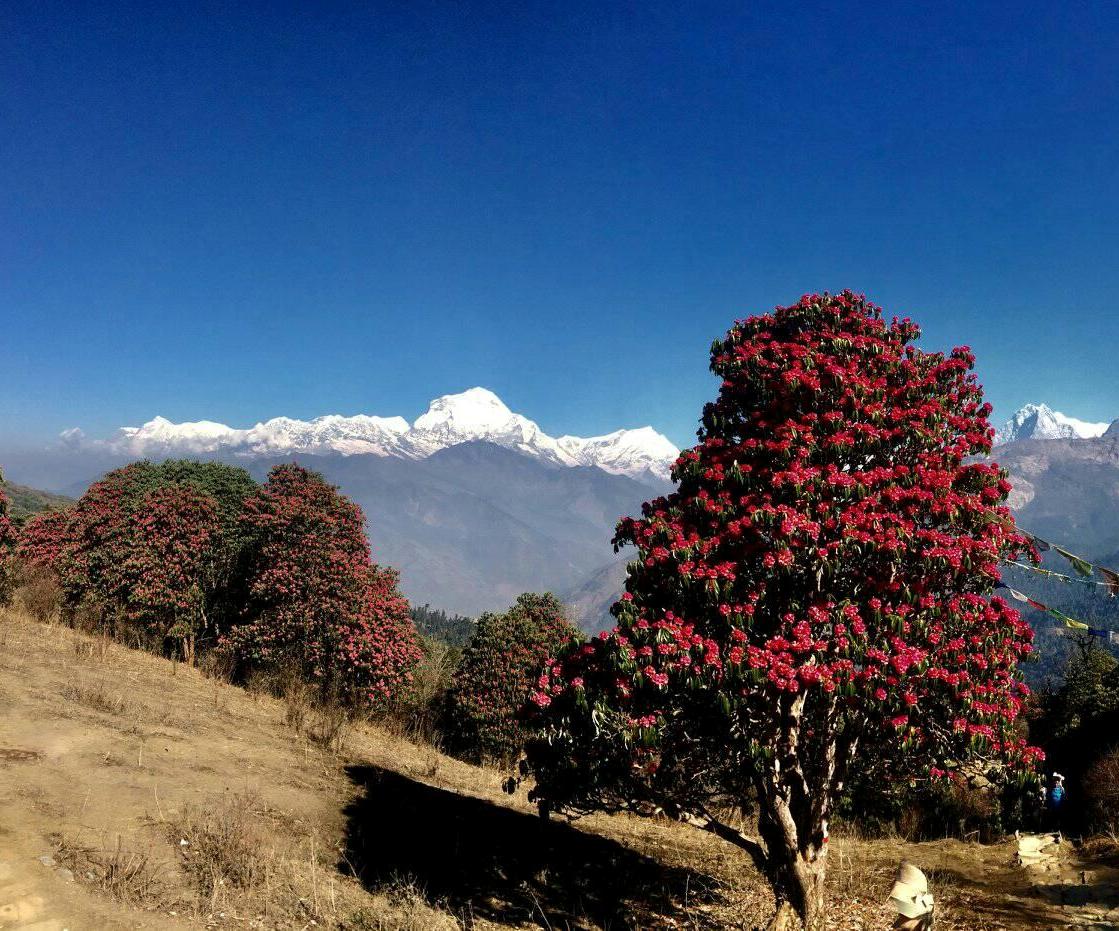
[(138, 793)]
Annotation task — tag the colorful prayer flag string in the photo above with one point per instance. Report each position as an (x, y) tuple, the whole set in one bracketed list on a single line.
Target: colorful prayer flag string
[(1040, 570), (1084, 569), (1069, 622)]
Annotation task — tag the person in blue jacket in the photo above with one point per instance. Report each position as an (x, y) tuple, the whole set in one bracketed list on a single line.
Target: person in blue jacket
[(1055, 802)]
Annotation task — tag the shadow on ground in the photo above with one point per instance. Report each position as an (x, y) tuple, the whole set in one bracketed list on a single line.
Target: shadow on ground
[(481, 860)]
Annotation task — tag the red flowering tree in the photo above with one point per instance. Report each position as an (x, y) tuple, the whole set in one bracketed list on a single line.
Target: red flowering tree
[(498, 669), (151, 546), (42, 539), (174, 565), (97, 541), (7, 545), (816, 591), (41, 542), (318, 603)]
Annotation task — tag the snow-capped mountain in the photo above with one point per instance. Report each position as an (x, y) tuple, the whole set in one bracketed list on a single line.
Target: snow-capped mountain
[(473, 415), (1040, 422)]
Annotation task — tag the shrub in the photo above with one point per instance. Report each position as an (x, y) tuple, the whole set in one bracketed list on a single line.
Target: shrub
[(317, 603), (40, 593), (420, 713), (7, 547), (498, 669), (815, 595), (1101, 787)]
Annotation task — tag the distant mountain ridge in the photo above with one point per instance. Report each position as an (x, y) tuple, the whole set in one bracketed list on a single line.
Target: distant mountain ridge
[(475, 415)]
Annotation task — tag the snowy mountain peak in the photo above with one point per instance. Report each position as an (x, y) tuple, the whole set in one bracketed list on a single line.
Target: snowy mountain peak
[(475, 408), (627, 452), (476, 414), (1041, 422)]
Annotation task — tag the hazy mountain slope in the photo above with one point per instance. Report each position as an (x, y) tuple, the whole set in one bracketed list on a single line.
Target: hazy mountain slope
[(473, 526), (590, 600), (1067, 490), (26, 501)]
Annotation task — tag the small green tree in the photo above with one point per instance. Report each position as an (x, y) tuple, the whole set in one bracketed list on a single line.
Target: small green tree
[(499, 668), (1078, 724)]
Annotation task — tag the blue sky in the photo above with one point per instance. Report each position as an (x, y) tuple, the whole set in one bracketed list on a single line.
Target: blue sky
[(235, 211)]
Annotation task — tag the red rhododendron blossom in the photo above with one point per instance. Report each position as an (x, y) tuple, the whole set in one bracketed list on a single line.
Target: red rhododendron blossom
[(816, 590)]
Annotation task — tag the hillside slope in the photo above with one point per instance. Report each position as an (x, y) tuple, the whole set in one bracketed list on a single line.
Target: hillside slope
[(26, 501), (137, 793)]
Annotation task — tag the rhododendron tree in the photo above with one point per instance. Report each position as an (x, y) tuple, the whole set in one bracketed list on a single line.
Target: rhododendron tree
[(317, 602), (7, 545), (174, 564), (152, 546), (42, 539), (498, 669), (815, 594)]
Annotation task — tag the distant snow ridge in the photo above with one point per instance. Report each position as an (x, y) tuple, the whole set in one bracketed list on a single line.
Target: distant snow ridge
[(475, 414), (1040, 422)]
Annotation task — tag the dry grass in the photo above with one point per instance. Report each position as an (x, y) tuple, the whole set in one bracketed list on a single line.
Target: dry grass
[(221, 846), (98, 695), (134, 879), (1101, 847), (94, 649), (402, 907)]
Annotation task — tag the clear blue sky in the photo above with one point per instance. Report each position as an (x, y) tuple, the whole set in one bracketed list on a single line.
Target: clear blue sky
[(233, 211)]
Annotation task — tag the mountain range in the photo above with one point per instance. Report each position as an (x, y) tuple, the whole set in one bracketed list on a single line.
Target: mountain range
[(472, 502), (475, 415), (475, 504)]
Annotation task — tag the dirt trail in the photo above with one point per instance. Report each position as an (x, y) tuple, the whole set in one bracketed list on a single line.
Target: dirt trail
[(118, 768)]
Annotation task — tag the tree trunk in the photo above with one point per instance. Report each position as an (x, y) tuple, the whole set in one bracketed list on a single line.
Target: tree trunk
[(797, 867), (188, 649), (798, 884)]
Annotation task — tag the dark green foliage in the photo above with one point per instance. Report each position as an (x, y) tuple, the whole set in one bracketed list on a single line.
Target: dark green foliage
[(227, 485), (498, 669), (975, 807), (454, 630), (1078, 725)]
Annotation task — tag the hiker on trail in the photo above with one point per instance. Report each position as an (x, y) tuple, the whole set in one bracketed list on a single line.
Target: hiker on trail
[(1055, 802), (1038, 815)]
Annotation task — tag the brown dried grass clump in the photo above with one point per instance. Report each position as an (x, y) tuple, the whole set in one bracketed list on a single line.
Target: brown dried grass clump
[(132, 878)]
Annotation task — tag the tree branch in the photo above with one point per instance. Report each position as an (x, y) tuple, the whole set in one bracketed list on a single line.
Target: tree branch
[(704, 820)]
